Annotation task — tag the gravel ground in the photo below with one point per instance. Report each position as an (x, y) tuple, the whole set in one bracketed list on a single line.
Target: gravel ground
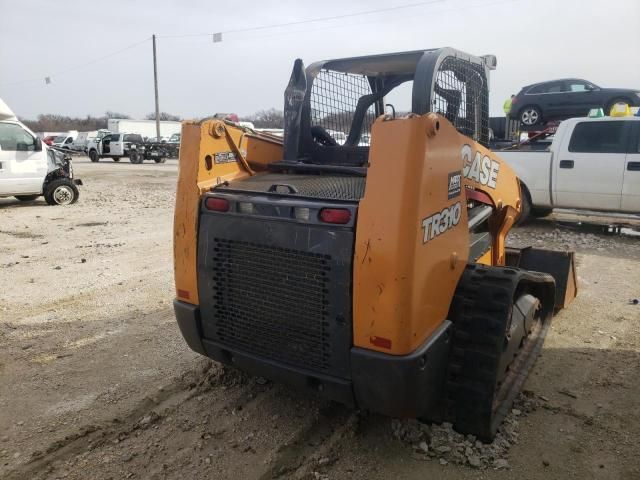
[(96, 381)]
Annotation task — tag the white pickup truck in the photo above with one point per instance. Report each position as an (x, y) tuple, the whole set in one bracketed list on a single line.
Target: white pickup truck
[(113, 145), (592, 164)]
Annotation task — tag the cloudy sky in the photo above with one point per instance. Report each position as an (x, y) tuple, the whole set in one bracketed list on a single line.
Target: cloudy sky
[(75, 43)]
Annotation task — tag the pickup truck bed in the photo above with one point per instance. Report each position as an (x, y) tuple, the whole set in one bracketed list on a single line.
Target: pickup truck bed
[(534, 170)]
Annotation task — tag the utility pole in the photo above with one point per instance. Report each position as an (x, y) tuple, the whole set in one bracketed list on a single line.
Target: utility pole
[(155, 84)]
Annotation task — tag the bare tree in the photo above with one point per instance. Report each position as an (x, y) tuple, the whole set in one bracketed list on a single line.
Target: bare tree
[(164, 116), (110, 114), (49, 122), (59, 123), (271, 118)]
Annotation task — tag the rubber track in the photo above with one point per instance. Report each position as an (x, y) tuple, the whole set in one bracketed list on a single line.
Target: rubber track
[(480, 312)]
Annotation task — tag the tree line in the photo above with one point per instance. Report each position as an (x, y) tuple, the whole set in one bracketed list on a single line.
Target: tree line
[(50, 122)]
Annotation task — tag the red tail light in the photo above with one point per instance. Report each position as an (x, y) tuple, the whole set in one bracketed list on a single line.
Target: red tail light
[(335, 215), (217, 204)]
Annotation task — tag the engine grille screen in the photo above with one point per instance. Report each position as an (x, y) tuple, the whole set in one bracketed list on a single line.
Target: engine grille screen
[(314, 186), (272, 302)]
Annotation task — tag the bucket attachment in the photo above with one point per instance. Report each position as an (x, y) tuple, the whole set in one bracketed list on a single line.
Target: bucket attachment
[(559, 264)]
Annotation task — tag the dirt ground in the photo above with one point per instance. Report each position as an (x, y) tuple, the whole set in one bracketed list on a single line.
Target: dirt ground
[(96, 381)]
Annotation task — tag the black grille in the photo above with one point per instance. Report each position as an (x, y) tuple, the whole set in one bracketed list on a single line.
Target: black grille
[(461, 95), (272, 302), (313, 186), (334, 97)]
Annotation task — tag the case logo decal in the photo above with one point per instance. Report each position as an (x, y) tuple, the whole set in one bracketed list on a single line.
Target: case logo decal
[(481, 169), (440, 222)]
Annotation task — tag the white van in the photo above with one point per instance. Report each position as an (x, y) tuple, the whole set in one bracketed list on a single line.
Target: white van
[(29, 169), (65, 140), (84, 138)]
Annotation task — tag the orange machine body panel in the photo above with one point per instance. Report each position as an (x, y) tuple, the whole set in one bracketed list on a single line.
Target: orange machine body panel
[(412, 237), (412, 240), (207, 158)]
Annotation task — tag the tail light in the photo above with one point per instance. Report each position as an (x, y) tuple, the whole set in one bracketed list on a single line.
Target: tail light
[(217, 204), (335, 215)]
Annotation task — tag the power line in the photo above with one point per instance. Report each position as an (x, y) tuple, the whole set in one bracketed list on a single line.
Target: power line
[(476, 5), (312, 20), (47, 78), (480, 4), (77, 67)]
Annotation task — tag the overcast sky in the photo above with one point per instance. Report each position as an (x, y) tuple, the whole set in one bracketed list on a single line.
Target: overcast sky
[(534, 40)]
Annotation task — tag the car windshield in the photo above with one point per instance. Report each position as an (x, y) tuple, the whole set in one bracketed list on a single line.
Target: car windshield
[(59, 139)]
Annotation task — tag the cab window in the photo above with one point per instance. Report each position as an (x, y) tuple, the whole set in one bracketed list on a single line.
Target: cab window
[(577, 86), (551, 87), (537, 89), (598, 137), (115, 137), (15, 138), (132, 138), (556, 87)]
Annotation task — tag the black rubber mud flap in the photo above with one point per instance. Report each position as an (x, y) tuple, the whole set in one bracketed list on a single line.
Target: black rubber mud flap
[(500, 318)]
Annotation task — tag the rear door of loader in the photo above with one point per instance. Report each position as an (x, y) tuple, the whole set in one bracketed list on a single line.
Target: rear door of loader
[(275, 280)]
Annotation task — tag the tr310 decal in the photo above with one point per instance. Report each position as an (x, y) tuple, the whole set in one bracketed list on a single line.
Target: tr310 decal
[(440, 222)]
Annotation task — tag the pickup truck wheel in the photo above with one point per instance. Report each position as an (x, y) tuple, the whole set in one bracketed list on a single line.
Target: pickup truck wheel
[(160, 160), (61, 192), (27, 198), (93, 156), (525, 210), (135, 157), (540, 212), (530, 115)]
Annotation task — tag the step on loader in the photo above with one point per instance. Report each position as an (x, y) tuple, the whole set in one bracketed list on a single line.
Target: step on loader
[(363, 255)]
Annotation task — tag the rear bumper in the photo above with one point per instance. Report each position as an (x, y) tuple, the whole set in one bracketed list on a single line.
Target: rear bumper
[(407, 386)]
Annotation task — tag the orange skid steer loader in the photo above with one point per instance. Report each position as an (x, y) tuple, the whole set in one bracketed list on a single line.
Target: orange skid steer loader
[(364, 255)]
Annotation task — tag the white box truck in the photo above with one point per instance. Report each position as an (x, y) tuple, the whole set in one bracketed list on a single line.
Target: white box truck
[(146, 128)]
